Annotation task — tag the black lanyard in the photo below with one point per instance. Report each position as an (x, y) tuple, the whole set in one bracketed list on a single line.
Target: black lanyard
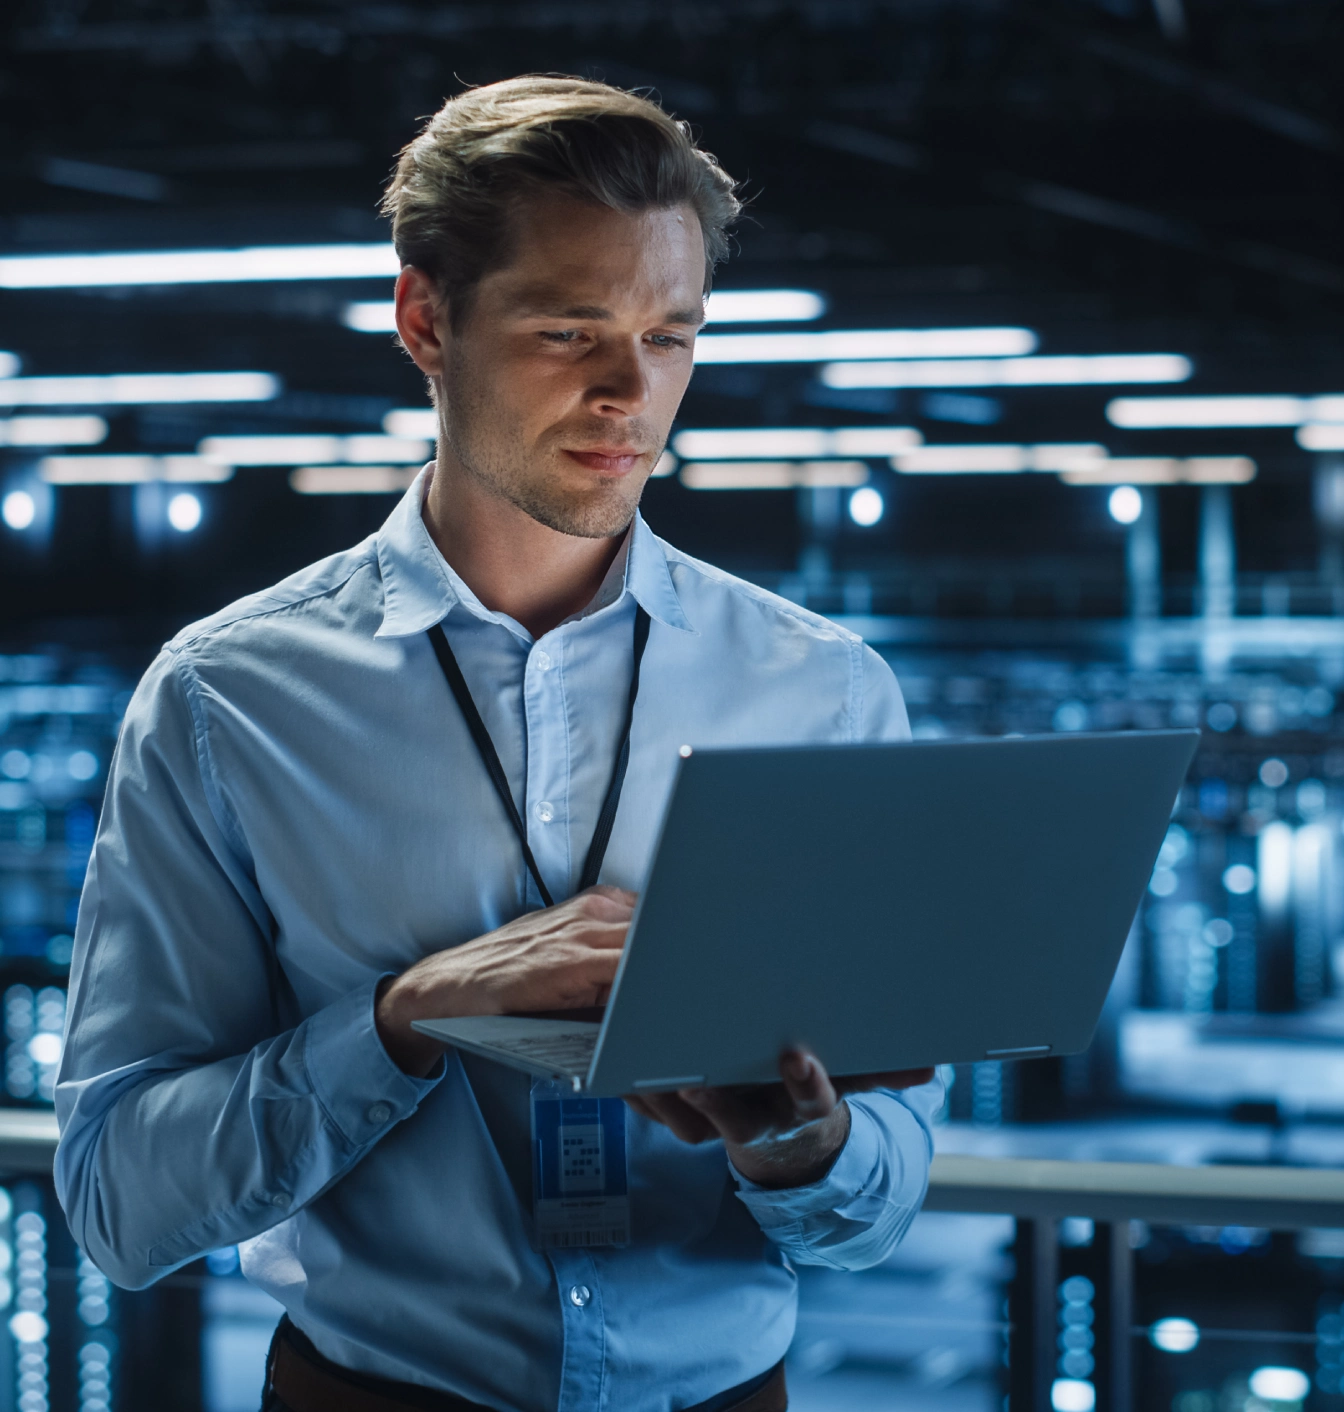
[(597, 849)]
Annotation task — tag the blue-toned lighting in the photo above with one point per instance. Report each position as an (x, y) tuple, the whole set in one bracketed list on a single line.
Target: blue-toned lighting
[(866, 506), (184, 512), (1280, 1384), (1174, 1335), (1125, 504)]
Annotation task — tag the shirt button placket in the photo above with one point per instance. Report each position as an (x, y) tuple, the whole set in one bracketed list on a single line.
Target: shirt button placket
[(585, 1331), (546, 757)]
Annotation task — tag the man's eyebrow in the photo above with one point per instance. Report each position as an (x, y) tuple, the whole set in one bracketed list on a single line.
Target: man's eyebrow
[(545, 307)]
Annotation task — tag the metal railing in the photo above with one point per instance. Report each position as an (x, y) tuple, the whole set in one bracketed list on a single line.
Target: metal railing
[(1039, 1193)]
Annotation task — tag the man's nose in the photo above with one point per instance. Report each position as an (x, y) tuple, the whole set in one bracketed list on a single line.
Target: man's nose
[(621, 381)]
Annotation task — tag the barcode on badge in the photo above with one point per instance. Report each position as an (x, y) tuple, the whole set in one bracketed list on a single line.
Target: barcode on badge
[(599, 1235)]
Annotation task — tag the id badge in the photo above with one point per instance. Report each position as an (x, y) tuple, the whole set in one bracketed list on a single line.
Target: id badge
[(580, 1191)]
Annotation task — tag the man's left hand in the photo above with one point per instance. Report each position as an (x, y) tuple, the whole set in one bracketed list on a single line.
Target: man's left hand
[(777, 1135)]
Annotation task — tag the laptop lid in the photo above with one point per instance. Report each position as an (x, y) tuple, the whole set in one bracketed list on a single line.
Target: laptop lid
[(892, 906)]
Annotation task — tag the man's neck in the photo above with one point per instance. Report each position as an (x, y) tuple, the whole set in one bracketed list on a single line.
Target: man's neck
[(511, 562)]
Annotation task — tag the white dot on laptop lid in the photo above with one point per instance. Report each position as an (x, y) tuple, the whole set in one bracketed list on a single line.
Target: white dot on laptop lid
[(685, 752)]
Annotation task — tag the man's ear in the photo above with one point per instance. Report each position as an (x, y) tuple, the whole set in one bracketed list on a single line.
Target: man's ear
[(421, 319)]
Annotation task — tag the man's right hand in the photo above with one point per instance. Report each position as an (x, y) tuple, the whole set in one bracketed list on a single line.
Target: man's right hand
[(559, 958)]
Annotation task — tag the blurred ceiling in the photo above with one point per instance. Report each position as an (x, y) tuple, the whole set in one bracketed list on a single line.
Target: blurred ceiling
[(1121, 176)]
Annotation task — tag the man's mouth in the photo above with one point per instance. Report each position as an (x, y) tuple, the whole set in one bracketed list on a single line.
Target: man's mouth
[(614, 460)]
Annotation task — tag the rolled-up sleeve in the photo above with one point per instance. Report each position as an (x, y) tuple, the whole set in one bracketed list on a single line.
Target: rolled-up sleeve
[(855, 1216), (196, 1108)]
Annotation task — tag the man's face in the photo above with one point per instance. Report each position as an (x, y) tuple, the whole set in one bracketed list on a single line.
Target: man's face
[(559, 387)]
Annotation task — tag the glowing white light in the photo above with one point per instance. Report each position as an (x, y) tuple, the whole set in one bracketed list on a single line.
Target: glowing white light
[(135, 389), (351, 480), (1239, 879), (130, 470), (866, 506), (1174, 1335), (1059, 371), (1280, 1384), (987, 459), (1125, 504), (863, 343), (1164, 470), (53, 431), (27, 1326), (18, 509), (764, 306), (365, 450), (1321, 436), (370, 316), (1271, 411), (1072, 1395), (82, 764), (45, 1048), (412, 421), (772, 443), (665, 465), (184, 512), (9, 364), (771, 475), (304, 450), (256, 263), (1274, 866)]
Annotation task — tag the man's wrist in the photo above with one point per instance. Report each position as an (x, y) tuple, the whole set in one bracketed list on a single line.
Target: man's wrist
[(412, 1052), (800, 1159)]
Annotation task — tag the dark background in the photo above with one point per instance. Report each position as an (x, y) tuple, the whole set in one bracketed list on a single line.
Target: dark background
[(1119, 176)]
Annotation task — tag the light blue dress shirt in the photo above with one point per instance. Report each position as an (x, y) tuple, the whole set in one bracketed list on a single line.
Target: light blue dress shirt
[(295, 810)]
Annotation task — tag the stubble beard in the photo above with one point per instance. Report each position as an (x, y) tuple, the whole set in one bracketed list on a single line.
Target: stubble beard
[(500, 464)]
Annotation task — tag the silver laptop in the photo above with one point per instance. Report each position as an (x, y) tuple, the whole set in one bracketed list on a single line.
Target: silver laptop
[(891, 906)]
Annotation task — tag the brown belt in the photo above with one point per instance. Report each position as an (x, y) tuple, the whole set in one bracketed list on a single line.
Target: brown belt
[(302, 1380)]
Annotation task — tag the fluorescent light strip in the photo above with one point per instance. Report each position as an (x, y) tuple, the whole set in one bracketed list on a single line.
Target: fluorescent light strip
[(130, 470), (1065, 371), (998, 459), (863, 343), (370, 316), (255, 263), (138, 389), (352, 480), (767, 443), (764, 306), (1321, 436), (53, 431), (412, 421), (1271, 411), (771, 475), (1158, 470), (10, 363), (304, 450)]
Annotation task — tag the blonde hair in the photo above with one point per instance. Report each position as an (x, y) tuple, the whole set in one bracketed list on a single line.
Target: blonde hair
[(456, 183)]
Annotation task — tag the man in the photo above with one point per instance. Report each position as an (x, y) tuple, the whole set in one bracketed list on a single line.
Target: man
[(302, 850)]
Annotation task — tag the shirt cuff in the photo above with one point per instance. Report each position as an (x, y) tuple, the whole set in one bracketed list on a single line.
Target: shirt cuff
[(855, 1172), (359, 1087)]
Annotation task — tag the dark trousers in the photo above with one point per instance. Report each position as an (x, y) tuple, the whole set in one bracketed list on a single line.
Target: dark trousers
[(294, 1361)]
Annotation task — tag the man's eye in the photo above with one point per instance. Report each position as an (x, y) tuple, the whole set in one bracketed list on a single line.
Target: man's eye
[(564, 335), (667, 340)]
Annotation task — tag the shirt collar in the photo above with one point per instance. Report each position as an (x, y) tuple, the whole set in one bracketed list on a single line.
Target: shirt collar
[(420, 587)]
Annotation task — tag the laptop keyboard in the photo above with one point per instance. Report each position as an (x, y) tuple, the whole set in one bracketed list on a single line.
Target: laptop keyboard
[(572, 1052)]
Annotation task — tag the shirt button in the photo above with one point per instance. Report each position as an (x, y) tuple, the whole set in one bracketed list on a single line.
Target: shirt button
[(543, 661), (279, 1199), (379, 1112), (579, 1295), (545, 811)]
